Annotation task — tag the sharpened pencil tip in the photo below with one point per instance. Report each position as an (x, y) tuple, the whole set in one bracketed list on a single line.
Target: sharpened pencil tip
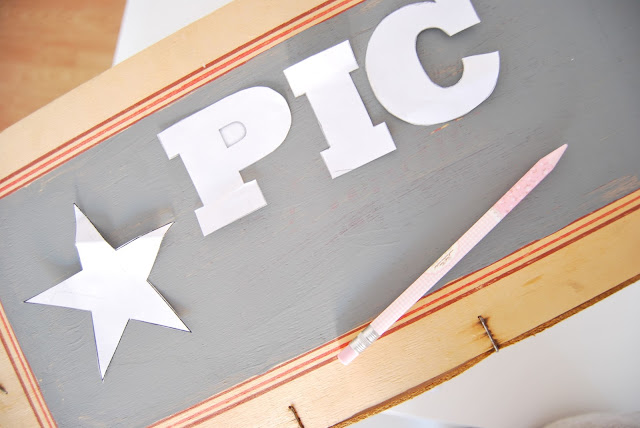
[(552, 158)]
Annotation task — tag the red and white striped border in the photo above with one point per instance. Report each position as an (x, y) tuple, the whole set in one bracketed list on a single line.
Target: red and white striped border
[(169, 94)]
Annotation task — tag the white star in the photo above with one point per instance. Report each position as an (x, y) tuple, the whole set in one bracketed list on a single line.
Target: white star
[(113, 286)]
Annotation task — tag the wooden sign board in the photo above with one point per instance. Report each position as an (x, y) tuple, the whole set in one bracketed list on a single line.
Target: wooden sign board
[(272, 297)]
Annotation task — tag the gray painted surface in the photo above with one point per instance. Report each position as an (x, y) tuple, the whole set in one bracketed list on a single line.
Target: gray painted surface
[(324, 255)]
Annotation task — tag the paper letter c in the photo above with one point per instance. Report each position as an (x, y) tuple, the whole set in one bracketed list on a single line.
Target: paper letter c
[(398, 79)]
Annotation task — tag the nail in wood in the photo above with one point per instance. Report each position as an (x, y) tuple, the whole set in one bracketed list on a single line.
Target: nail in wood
[(293, 410), (484, 324)]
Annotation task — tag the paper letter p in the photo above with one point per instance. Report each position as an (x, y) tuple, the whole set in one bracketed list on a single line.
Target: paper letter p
[(216, 143)]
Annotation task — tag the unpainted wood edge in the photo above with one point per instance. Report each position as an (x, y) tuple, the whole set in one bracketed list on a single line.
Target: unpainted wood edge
[(431, 383), (27, 389), (152, 69), (271, 24), (573, 234), (604, 222), (413, 392)]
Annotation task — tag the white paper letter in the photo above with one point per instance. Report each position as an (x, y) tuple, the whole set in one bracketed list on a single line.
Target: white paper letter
[(216, 143), (352, 138), (398, 78)]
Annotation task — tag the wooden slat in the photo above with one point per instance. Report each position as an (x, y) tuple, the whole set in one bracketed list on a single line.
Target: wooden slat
[(149, 81), (527, 291), (520, 295), (22, 404)]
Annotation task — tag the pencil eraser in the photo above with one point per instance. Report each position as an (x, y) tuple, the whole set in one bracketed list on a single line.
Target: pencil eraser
[(347, 355)]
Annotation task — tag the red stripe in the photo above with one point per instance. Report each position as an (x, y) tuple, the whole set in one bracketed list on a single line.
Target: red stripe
[(402, 325), (239, 385), (278, 376), (41, 169), (430, 312), (24, 388), (288, 362), (538, 249), (185, 87), (512, 271), (277, 385), (83, 144), (26, 369), (182, 91), (158, 92)]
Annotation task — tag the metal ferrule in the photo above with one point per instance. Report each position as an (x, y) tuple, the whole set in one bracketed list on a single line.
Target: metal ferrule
[(364, 339)]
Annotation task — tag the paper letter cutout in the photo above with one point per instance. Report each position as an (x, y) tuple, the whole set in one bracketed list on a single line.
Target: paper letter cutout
[(398, 79), (216, 143), (352, 138), (113, 285)]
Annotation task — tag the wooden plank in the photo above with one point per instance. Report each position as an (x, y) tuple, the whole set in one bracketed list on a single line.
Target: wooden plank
[(520, 295), (156, 77), (22, 403), (100, 117)]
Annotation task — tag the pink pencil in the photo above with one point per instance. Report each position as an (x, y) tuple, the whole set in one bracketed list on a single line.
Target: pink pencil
[(453, 255)]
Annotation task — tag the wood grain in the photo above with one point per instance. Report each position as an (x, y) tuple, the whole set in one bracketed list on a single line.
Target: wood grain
[(440, 337), (49, 48), (22, 404), (523, 293), (151, 80), (520, 295)]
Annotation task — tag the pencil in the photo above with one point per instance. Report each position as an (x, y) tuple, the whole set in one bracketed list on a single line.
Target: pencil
[(451, 257)]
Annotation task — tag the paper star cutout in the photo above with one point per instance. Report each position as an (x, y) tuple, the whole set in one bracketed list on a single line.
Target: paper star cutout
[(113, 286)]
